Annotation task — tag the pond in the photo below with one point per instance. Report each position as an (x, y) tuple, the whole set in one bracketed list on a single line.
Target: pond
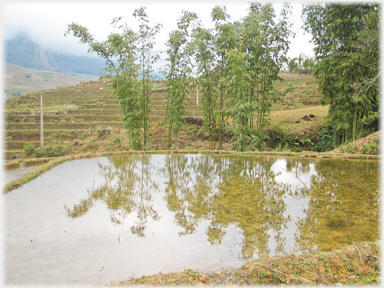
[(92, 221), (20, 172)]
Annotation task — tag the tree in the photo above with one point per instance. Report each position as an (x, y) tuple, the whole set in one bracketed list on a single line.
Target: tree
[(347, 54), (146, 57), (206, 62), (128, 54), (238, 85), (263, 46), (302, 64), (178, 72), (308, 65), (225, 39), (292, 64)]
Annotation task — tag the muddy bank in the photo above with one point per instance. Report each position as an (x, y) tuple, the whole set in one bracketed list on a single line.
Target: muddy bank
[(357, 264)]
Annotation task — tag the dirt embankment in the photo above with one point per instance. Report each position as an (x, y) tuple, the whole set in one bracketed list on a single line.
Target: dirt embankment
[(357, 147), (357, 264)]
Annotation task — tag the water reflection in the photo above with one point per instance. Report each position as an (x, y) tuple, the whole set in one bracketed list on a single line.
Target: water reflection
[(14, 174), (127, 190), (343, 206), (277, 205), (96, 220)]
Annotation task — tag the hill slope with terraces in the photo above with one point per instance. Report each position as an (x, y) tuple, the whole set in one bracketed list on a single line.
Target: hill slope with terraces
[(89, 114)]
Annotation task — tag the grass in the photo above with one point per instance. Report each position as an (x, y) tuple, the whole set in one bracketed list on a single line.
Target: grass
[(286, 119), (54, 108)]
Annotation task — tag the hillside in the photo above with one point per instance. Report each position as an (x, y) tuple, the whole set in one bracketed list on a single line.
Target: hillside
[(89, 115), (26, 53), (21, 80)]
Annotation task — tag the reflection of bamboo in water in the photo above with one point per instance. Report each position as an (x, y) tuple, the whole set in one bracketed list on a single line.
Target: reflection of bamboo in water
[(227, 191), (125, 197)]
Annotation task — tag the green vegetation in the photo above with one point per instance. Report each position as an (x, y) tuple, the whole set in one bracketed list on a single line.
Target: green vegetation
[(115, 142), (246, 105), (325, 140), (135, 56), (28, 149), (53, 150), (246, 102), (346, 38), (249, 86), (86, 120), (289, 89), (225, 39), (372, 148), (178, 73), (302, 64), (54, 108), (205, 58)]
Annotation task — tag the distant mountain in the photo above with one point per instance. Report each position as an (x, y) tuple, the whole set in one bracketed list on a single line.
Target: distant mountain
[(24, 52)]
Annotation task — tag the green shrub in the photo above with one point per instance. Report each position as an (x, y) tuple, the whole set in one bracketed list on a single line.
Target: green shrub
[(52, 151), (28, 149), (115, 142), (371, 148), (284, 149), (349, 148), (324, 141), (288, 89)]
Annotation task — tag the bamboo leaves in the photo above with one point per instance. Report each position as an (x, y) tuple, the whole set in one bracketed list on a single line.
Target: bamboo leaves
[(129, 56), (253, 69), (178, 73), (205, 58), (235, 65), (344, 64)]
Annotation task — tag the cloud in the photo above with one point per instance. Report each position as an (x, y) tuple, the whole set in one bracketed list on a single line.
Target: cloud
[(41, 26)]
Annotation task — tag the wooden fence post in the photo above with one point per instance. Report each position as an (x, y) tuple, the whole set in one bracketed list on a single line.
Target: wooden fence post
[(41, 121)]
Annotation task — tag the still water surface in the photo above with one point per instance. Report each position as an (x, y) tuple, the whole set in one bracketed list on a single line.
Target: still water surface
[(20, 172), (96, 220)]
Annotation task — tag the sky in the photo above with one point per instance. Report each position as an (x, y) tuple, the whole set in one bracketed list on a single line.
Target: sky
[(46, 21)]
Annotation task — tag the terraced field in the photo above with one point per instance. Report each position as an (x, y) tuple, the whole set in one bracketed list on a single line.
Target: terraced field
[(90, 109)]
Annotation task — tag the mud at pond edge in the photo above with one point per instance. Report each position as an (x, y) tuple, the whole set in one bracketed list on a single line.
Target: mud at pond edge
[(357, 264)]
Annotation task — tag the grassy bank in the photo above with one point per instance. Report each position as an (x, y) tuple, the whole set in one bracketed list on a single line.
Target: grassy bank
[(357, 264)]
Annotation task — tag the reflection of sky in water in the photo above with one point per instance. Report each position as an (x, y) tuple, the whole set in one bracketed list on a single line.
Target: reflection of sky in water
[(295, 179), (91, 248)]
